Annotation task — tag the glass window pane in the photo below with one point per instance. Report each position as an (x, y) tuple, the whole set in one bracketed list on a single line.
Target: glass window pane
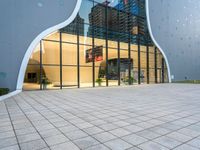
[(113, 67), (113, 44), (51, 77), (69, 77), (134, 73), (151, 60), (69, 38), (69, 54), (86, 77), (143, 65), (32, 78), (152, 75), (124, 67), (85, 55), (51, 52), (100, 66), (86, 38), (99, 36), (85, 11), (35, 57), (54, 36)]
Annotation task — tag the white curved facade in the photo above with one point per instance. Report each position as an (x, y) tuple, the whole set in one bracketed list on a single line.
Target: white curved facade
[(23, 24), (35, 42), (155, 42), (175, 28)]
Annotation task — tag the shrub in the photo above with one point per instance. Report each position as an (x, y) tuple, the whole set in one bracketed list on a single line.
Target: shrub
[(131, 80), (188, 81), (4, 91), (99, 81)]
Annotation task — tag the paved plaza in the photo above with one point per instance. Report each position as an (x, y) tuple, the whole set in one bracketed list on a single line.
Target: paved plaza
[(147, 117)]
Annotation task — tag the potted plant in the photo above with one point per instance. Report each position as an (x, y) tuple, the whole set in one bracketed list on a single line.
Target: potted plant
[(130, 81), (4, 91), (99, 81), (45, 82)]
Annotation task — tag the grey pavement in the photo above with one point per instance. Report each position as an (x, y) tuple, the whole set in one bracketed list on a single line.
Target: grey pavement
[(147, 117)]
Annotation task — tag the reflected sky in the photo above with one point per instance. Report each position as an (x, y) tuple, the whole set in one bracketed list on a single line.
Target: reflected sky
[(113, 3)]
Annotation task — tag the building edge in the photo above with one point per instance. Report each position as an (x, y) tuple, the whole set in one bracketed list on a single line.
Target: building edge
[(31, 48), (155, 42), (34, 43)]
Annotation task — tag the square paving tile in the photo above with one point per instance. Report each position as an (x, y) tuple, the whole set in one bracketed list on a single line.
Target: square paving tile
[(108, 126), (49, 133), (65, 146), (105, 136), (134, 148), (14, 147), (195, 143), (185, 147), (27, 130), (93, 130), (179, 137), (121, 123), (33, 145), (8, 142), (188, 132), (167, 142), (86, 142), (69, 128), (134, 139), (56, 139), (98, 147), (148, 134), (76, 134), (118, 144), (152, 146), (7, 134), (120, 132), (133, 128), (160, 130), (28, 137)]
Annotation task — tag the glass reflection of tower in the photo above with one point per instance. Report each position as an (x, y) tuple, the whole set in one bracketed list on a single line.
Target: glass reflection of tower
[(76, 24), (125, 19)]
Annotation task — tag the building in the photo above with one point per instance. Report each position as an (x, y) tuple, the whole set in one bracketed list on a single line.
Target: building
[(55, 45)]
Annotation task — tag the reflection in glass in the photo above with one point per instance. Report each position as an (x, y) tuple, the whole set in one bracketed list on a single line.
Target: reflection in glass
[(112, 67), (32, 77), (69, 76), (69, 54), (86, 77), (51, 52), (51, 77)]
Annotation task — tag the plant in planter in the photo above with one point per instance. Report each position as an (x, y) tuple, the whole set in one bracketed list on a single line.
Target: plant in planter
[(4, 91), (99, 81), (45, 82), (131, 80)]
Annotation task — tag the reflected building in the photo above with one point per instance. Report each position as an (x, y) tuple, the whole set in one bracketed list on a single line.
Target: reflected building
[(76, 25), (124, 22)]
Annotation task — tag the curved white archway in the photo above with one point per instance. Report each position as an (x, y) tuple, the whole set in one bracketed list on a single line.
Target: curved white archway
[(155, 42), (61, 25), (34, 43)]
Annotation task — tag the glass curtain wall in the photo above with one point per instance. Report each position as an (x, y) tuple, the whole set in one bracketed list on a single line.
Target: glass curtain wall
[(107, 44)]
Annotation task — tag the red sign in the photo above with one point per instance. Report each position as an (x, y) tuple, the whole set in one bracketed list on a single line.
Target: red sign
[(97, 53)]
